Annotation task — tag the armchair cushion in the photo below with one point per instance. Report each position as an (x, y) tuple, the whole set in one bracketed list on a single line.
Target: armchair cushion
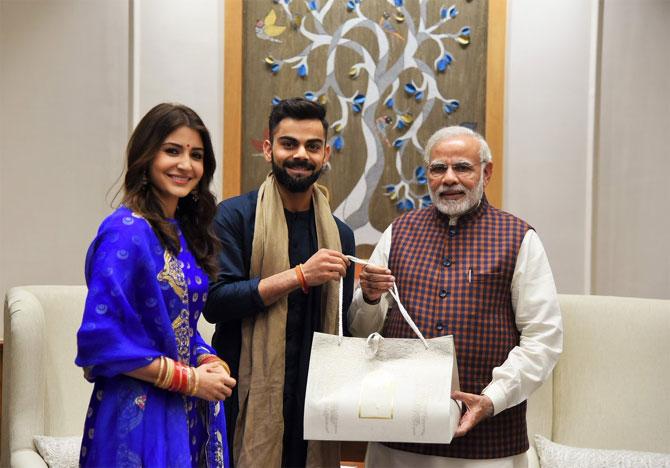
[(553, 455), (59, 452)]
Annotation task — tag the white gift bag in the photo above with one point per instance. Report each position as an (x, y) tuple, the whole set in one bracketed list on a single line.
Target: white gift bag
[(382, 389)]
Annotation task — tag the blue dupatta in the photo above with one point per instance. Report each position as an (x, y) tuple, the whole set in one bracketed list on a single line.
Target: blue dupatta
[(143, 302)]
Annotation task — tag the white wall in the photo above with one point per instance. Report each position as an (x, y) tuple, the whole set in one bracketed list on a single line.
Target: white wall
[(549, 128), (631, 257), (178, 56), (586, 159), (75, 75), (63, 125)]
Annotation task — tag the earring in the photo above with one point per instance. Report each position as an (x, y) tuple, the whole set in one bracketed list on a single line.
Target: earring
[(195, 196)]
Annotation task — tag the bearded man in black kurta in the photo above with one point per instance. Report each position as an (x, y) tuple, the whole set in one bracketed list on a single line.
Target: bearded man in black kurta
[(282, 257)]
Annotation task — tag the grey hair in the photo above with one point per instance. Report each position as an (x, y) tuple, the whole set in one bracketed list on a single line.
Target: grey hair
[(453, 131)]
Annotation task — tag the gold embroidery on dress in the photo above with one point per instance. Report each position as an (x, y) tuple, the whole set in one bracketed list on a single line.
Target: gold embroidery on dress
[(174, 275), (183, 334)]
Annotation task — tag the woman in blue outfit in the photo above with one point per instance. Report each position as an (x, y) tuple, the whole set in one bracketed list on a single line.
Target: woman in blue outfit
[(157, 398)]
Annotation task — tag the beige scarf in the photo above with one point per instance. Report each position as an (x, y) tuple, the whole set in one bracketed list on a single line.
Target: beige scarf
[(259, 429)]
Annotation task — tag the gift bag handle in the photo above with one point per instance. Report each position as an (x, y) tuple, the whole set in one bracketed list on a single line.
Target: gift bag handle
[(394, 294)]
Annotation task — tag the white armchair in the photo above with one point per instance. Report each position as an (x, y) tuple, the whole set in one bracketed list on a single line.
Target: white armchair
[(610, 387), (44, 393)]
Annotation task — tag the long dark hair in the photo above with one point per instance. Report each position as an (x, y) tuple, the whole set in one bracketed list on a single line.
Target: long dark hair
[(195, 217)]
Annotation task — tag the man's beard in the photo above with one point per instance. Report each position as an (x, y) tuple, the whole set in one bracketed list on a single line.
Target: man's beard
[(295, 184), (457, 207)]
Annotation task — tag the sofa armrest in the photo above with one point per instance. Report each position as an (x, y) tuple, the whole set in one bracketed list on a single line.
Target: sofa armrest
[(27, 458), (533, 459)]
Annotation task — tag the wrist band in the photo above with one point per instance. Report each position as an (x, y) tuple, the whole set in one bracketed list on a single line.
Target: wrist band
[(301, 278)]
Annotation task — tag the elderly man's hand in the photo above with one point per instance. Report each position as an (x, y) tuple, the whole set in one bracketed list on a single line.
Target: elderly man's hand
[(479, 407), (375, 281)]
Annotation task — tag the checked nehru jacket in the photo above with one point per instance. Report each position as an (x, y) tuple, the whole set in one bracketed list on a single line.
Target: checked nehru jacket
[(456, 280)]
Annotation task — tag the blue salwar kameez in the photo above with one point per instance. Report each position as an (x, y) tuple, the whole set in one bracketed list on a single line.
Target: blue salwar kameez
[(144, 302)]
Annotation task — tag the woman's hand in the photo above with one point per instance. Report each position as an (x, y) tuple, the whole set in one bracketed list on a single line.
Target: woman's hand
[(214, 383)]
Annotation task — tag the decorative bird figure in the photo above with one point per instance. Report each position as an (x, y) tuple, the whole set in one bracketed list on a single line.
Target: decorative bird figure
[(388, 26), (267, 30), (383, 123)]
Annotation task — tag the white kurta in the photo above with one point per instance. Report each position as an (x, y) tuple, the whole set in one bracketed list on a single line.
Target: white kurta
[(537, 317)]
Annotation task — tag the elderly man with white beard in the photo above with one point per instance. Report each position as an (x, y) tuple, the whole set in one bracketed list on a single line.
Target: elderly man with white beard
[(467, 269)]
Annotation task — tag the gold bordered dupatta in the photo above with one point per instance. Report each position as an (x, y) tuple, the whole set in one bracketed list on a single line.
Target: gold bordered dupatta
[(259, 428)]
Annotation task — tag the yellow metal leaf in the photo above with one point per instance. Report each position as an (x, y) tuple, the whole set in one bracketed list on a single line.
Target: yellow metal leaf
[(463, 40)]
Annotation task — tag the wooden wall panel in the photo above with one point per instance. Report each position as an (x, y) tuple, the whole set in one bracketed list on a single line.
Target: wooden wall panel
[(475, 78)]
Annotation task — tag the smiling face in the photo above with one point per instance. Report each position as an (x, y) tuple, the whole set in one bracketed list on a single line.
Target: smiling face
[(298, 152), (177, 167), (456, 178)]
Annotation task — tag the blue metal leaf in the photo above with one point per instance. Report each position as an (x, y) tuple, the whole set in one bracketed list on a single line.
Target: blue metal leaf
[(310, 96), (465, 31), (448, 57), (389, 103), (452, 12), (338, 143), (405, 205), (302, 71), (410, 88), (390, 188), (359, 99), (444, 13), (442, 65), (400, 124), (419, 95), (397, 144), (275, 68), (426, 201), (451, 106), (276, 100), (357, 108), (398, 3), (313, 5), (420, 175), (351, 5)]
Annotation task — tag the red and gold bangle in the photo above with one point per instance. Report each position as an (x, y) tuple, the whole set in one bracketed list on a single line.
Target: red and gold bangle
[(175, 382), (301, 278), (177, 377), (207, 358)]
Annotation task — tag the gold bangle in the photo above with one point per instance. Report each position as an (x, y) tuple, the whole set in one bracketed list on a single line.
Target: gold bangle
[(161, 365), (225, 365), (197, 382), (165, 384), (190, 379)]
